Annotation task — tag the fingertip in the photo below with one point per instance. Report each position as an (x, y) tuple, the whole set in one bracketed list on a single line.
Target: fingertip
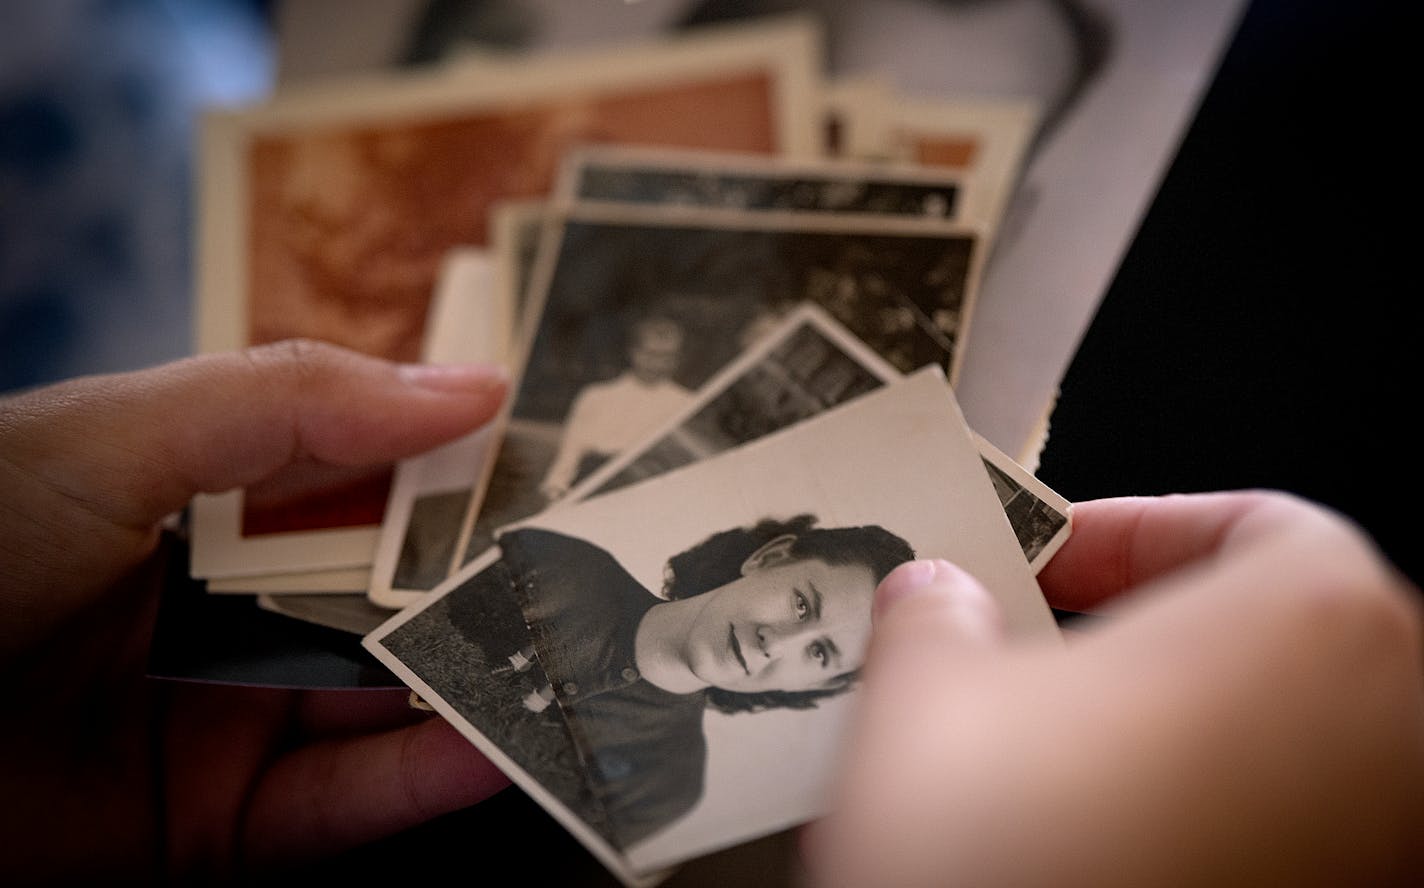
[(475, 390), (941, 586), (927, 576), (905, 581), (375, 412), (477, 379)]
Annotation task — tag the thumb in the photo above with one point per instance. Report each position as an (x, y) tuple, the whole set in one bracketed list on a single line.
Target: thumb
[(932, 621), (927, 615), (90, 466), (134, 447)]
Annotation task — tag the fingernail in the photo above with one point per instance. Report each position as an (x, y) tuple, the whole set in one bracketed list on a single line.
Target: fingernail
[(471, 378), (908, 579), (934, 576)]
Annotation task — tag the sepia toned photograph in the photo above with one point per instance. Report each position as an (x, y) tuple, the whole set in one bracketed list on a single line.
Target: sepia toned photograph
[(515, 229), (335, 582), (811, 364), (431, 491), (748, 182), (987, 138), (471, 320), (855, 115), (352, 613), (749, 597), (468, 321), (808, 365), (637, 311), (424, 534), (325, 212), (1040, 517), (472, 651)]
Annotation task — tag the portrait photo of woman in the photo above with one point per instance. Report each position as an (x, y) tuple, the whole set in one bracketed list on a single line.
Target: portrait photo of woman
[(753, 618), (775, 615), (667, 667)]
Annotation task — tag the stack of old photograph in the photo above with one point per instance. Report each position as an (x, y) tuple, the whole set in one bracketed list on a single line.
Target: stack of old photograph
[(734, 298)]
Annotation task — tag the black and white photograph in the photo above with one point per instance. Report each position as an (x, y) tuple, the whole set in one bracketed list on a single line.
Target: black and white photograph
[(637, 311), (855, 112), (1040, 518), (419, 542), (471, 319), (515, 229), (480, 298), (808, 365), (671, 729), (757, 182)]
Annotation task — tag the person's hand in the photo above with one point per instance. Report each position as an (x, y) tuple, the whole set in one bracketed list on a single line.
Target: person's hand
[(110, 775), (1247, 708)]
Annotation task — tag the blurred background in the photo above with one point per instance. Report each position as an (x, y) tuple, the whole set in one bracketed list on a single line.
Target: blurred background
[(98, 102)]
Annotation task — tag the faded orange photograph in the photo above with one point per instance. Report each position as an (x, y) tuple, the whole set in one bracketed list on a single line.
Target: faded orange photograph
[(958, 153), (348, 225)]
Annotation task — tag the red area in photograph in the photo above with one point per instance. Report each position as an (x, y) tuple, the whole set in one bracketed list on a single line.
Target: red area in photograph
[(359, 503)]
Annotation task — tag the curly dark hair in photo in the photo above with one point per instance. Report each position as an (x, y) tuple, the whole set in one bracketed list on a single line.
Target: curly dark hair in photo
[(718, 560)]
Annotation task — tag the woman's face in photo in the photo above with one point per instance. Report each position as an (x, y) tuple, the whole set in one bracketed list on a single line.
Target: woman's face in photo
[(794, 625)]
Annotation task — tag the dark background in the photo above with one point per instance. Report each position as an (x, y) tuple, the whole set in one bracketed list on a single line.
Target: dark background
[(1263, 328)]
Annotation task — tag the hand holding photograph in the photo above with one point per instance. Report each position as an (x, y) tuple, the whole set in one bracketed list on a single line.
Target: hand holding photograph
[(325, 212), (673, 185), (639, 661), (605, 275)]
